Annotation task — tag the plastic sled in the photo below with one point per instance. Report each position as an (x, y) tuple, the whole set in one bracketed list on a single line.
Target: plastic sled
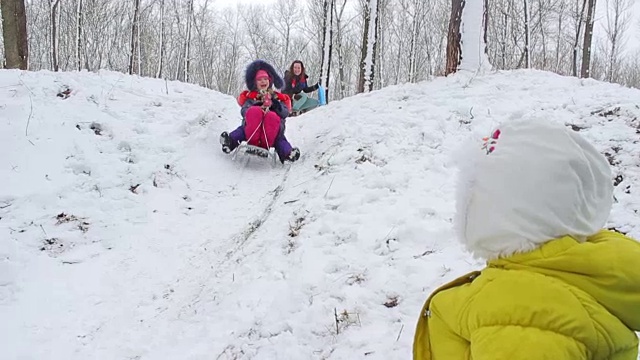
[(303, 99), (322, 96), (245, 149)]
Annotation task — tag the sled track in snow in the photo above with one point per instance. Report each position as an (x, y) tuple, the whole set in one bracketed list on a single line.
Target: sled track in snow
[(238, 241)]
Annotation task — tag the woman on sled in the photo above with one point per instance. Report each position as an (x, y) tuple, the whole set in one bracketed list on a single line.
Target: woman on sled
[(263, 111), (296, 83)]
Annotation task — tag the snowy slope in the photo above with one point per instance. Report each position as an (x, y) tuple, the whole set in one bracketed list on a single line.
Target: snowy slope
[(227, 260)]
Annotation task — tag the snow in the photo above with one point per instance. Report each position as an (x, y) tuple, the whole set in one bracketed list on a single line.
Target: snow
[(474, 56), (242, 260)]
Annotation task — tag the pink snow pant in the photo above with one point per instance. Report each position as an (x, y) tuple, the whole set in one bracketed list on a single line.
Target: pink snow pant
[(261, 129)]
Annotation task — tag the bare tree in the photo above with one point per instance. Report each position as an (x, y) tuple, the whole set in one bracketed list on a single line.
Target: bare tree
[(454, 51), (14, 34), (416, 19), (527, 36), (327, 43), (579, 19), (561, 15), (134, 30), (287, 15), (54, 11), (161, 41), (369, 39), (187, 46), (588, 36), (79, 36), (340, 30), (618, 22)]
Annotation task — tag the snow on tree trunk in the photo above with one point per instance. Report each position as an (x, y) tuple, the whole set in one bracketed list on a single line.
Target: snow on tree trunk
[(54, 33), (415, 34), (472, 37), (367, 63), (527, 35), (134, 26), (342, 83), (327, 43), (187, 50), (585, 71), (161, 52), (453, 37), (79, 36), (577, 39), (139, 47)]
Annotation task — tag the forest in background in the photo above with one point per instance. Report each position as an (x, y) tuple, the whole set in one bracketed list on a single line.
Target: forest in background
[(353, 45)]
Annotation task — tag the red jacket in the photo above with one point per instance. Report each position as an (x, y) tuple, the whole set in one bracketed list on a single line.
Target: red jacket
[(246, 94)]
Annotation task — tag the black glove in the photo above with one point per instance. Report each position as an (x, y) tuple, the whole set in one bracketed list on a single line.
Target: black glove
[(316, 86), (297, 96)]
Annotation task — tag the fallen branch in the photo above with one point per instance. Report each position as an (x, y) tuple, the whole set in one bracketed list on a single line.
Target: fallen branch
[(398, 338), (26, 129), (325, 194)]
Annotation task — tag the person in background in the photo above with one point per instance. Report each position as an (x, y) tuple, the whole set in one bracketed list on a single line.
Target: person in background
[(296, 86)]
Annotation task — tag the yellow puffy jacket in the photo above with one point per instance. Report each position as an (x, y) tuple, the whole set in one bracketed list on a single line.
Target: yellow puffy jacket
[(563, 301)]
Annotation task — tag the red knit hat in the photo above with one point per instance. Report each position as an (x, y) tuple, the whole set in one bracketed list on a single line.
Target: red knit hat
[(262, 74)]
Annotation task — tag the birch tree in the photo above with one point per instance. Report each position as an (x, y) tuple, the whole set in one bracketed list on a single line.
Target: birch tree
[(327, 44)]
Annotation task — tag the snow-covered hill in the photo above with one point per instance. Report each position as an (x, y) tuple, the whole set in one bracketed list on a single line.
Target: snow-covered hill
[(125, 233)]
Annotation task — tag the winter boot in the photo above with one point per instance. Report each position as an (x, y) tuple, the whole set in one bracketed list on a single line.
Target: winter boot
[(225, 140), (294, 155)]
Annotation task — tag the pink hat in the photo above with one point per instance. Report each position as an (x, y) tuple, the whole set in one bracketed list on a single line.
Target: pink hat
[(262, 74)]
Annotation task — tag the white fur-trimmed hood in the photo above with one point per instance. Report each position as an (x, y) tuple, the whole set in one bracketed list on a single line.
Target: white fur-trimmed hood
[(529, 182)]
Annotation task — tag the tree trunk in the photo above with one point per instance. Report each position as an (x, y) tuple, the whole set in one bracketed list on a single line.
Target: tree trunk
[(453, 37), (527, 35), (14, 33), (134, 30), (342, 84), (369, 39), (415, 22), (577, 40), (327, 44), (138, 48), (187, 50), (54, 33), (161, 52), (585, 71), (558, 41), (79, 36)]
